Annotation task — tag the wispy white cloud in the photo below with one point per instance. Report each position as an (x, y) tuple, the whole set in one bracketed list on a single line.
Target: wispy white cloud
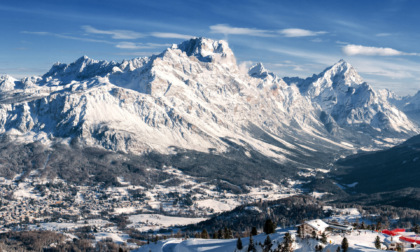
[(226, 29), (289, 64), (317, 40), (389, 69), (296, 32), (137, 46), (127, 34), (170, 35), (115, 34), (291, 32), (326, 59), (137, 54), (395, 74), (35, 32), (352, 50), (130, 45), (341, 42), (64, 36), (383, 34)]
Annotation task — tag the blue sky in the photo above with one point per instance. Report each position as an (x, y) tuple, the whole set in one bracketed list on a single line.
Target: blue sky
[(380, 38)]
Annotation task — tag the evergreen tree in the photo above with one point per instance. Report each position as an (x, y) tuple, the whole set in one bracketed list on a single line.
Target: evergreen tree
[(251, 246), (269, 227), (254, 231), (229, 234), (324, 238), (345, 244), (220, 234), (338, 249), (239, 244), (377, 243), (226, 233), (204, 234), (267, 244), (416, 229), (363, 226), (286, 245), (313, 234), (378, 225)]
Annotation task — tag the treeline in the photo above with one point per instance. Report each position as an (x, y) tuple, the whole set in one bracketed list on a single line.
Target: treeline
[(77, 164), (388, 216), (29, 240), (293, 210), (48, 241), (284, 212), (81, 165)]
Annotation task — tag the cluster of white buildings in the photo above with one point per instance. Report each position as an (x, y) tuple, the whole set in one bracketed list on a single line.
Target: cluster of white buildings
[(319, 226)]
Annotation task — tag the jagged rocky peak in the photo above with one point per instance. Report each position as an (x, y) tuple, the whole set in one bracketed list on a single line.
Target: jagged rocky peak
[(207, 50), (7, 83), (6, 78), (133, 64), (341, 73), (338, 78), (82, 68), (259, 71), (388, 95)]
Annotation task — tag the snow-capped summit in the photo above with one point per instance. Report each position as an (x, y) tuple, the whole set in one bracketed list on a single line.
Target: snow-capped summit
[(340, 77), (7, 83), (259, 71), (82, 68), (340, 92), (208, 50)]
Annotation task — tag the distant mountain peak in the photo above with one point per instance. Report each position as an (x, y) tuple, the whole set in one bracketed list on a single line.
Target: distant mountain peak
[(83, 68), (258, 71), (339, 78), (85, 60), (6, 77), (7, 83), (208, 50), (344, 68), (341, 61)]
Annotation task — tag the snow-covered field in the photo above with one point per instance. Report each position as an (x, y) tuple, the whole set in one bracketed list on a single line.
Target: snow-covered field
[(146, 222), (363, 241), (209, 245)]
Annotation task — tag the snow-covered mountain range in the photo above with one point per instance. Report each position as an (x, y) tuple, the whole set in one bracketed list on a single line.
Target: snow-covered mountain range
[(194, 96)]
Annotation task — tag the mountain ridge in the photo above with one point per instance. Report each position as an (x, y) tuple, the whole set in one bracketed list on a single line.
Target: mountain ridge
[(192, 95)]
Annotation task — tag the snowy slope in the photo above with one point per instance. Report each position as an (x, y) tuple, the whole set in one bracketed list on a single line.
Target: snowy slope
[(357, 242)]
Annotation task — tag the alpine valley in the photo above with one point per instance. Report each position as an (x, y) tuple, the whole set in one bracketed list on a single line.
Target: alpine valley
[(190, 133)]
